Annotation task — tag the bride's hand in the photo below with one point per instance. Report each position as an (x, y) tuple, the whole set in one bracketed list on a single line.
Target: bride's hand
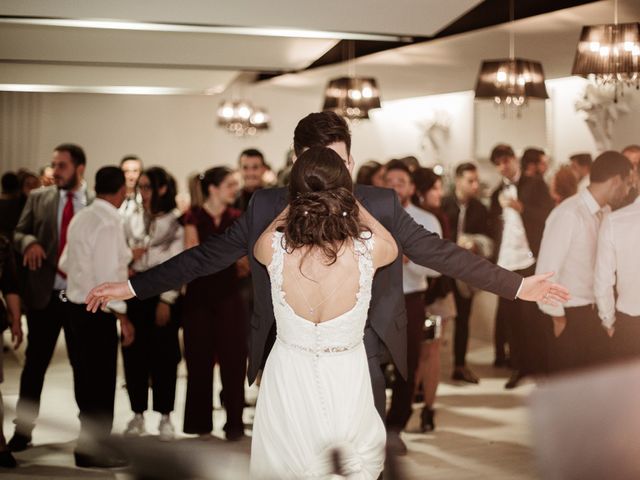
[(538, 288), (104, 293)]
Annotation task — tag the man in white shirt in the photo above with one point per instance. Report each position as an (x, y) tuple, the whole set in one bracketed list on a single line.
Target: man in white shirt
[(519, 208), (569, 246), (414, 285), (617, 265), (96, 251), (581, 166)]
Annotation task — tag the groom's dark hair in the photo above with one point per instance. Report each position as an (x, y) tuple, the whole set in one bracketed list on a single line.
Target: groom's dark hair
[(320, 129)]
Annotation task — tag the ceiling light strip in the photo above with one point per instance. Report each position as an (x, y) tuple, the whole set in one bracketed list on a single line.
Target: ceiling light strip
[(185, 28)]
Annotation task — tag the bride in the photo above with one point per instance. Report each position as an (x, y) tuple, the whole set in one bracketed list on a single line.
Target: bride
[(315, 414)]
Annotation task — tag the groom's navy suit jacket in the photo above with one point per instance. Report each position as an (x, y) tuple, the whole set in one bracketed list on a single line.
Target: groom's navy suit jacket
[(387, 315)]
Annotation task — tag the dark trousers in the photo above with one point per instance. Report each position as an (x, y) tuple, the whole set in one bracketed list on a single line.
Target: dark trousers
[(583, 343), (461, 331), (402, 390), (95, 338), (625, 343), (214, 333), (44, 329), (374, 348), (154, 355)]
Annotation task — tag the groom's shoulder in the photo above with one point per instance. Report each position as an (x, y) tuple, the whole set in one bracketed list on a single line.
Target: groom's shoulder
[(374, 193), (269, 194)]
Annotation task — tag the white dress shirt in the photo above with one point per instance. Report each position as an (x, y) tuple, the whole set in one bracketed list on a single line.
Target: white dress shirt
[(515, 252), (163, 238), (79, 202), (414, 276), (96, 252), (618, 259), (569, 246)]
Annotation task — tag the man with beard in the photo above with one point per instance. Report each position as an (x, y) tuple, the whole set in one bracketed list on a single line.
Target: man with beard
[(40, 238)]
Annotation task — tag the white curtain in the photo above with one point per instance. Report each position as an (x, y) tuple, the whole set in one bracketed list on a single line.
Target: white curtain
[(20, 117)]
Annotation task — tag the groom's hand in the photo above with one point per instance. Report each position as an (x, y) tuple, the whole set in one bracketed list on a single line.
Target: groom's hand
[(104, 293), (538, 288)]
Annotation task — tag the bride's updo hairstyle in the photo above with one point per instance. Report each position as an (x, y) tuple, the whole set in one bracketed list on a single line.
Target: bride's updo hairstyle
[(322, 211)]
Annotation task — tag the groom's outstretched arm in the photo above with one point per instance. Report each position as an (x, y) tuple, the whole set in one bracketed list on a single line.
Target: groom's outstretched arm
[(214, 254), (427, 249)]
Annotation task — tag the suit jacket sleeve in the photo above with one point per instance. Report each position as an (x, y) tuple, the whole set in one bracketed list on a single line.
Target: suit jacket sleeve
[(427, 249), (216, 253), (23, 235)]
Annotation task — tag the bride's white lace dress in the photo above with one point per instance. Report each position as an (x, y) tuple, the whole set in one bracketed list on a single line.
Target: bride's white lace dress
[(315, 394)]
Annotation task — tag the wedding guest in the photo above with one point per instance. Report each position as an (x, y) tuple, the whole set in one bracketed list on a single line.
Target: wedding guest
[(569, 249), (10, 204), (414, 284), (469, 222), (563, 184), (439, 299), (195, 191), (519, 208), (131, 165), (9, 317), (40, 237), (213, 315), (632, 152), (371, 173), (581, 166), (97, 251), (157, 235), (28, 181), (534, 162), (252, 169), (46, 176), (411, 162), (615, 281)]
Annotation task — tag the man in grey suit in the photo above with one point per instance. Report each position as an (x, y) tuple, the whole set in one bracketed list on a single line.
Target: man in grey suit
[(387, 320), (40, 237)]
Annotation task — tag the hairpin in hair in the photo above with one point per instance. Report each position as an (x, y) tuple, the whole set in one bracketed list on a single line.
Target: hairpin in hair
[(306, 212), (344, 214)]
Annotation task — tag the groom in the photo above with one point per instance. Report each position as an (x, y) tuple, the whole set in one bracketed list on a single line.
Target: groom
[(386, 324)]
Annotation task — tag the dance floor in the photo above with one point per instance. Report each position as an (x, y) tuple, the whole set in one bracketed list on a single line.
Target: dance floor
[(482, 431)]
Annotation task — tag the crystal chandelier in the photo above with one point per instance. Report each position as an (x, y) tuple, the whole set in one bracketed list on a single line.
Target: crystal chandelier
[(610, 54), (241, 118), (511, 82)]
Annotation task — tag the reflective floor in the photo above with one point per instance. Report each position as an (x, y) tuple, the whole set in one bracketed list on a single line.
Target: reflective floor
[(482, 431)]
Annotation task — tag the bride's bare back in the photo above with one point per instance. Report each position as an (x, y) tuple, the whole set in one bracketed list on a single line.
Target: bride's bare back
[(316, 290)]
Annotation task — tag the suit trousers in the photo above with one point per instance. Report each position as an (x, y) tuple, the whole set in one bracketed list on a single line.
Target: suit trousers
[(95, 337), (583, 343), (154, 355), (214, 331), (44, 329), (625, 343), (528, 332), (461, 331), (403, 389)]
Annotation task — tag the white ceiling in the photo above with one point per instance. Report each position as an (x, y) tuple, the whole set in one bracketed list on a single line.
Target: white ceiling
[(43, 58), (451, 64), (189, 55)]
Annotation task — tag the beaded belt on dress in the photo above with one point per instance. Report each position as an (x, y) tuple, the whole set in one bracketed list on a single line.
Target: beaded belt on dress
[(320, 350)]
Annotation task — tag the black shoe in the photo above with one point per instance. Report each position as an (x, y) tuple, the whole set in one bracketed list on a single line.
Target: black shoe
[(395, 445), (465, 375), (19, 442), (426, 420), (84, 460), (514, 380), (501, 363), (234, 435), (7, 460)]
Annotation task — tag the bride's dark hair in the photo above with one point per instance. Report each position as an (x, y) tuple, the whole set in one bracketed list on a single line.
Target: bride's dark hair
[(323, 211)]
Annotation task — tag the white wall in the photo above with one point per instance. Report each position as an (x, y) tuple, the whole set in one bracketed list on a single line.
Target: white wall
[(180, 132)]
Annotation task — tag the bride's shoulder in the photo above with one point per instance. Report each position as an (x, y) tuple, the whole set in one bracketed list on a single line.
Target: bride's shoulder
[(263, 248), (385, 249)]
